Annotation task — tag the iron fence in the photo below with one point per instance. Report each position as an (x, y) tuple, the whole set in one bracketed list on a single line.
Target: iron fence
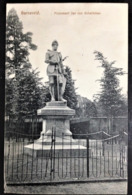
[(29, 159)]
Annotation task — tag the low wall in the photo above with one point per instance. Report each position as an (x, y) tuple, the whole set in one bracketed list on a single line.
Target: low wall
[(96, 124)]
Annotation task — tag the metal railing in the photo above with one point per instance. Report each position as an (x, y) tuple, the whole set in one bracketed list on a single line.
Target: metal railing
[(29, 159)]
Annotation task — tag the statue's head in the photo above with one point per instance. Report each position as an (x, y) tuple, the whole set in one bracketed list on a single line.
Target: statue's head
[(55, 45)]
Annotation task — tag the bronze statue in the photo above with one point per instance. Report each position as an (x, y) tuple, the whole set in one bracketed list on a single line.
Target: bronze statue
[(56, 73)]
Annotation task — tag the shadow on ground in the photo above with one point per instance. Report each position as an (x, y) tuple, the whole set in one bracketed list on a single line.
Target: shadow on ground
[(86, 188)]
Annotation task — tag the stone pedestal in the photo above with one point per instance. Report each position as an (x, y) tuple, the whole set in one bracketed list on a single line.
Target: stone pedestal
[(56, 115)]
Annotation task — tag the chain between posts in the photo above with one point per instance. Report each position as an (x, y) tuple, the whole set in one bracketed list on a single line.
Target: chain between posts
[(74, 163)]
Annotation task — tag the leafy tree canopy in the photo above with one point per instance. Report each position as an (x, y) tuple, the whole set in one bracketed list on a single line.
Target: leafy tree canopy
[(110, 97)]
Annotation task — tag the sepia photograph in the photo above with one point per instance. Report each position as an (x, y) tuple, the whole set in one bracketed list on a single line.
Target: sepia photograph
[(66, 98)]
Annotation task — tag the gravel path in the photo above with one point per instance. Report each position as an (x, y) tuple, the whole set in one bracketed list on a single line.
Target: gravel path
[(87, 188)]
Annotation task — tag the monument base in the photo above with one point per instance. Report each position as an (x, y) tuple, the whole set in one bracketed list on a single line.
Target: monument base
[(56, 115), (65, 151)]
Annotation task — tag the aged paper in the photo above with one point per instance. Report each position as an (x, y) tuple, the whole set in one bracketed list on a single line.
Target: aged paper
[(92, 42)]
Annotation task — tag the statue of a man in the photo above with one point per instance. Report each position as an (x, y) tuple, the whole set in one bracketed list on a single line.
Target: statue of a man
[(56, 73)]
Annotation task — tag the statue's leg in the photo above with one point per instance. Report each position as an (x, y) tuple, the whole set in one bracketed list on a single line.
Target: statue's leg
[(61, 93), (51, 88), (61, 88), (63, 85), (52, 93)]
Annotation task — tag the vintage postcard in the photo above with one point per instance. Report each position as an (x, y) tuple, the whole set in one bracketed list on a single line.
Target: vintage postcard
[(66, 98)]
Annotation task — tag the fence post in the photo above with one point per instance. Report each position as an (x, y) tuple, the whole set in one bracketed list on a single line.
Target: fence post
[(103, 144), (54, 139), (51, 156), (87, 157)]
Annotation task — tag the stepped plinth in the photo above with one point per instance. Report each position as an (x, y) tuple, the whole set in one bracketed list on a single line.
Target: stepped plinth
[(56, 116)]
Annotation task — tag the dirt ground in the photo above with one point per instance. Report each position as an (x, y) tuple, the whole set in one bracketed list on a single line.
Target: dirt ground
[(82, 188)]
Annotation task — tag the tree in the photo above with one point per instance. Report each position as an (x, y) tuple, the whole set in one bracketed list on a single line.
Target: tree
[(30, 94), (17, 45), (91, 110), (11, 96), (18, 67), (45, 95), (110, 97), (70, 91), (123, 109), (86, 108), (30, 90)]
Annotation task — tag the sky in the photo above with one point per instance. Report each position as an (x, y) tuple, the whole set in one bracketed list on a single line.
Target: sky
[(80, 29)]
